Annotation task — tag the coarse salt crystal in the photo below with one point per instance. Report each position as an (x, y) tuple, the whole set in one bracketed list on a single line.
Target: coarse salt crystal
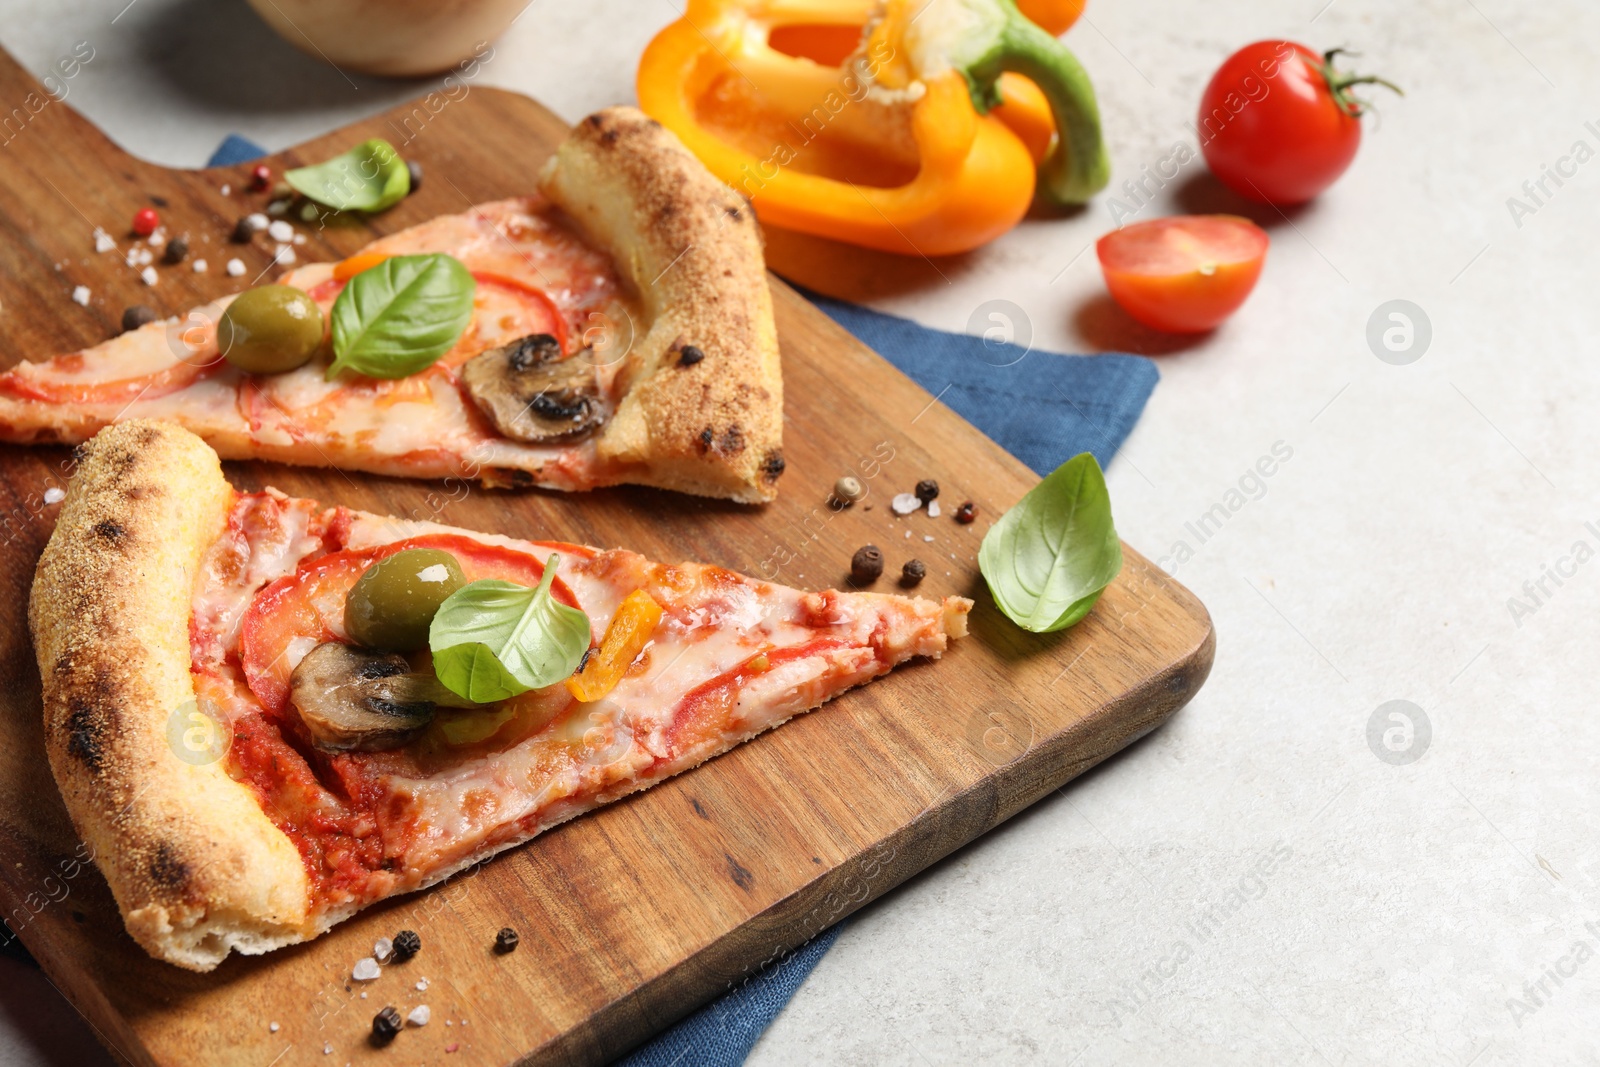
[(103, 241), (933, 509), (226, 189), (149, 276), (256, 221), (278, 207), (272, 1027), (422, 985), (280, 231), (419, 1015), (383, 948), (157, 239), (199, 266), (327, 1048), (904, 503), (299, 238), (284, 255), (235, 267), (54, 495), (365, 970), (927, 537), (908, 535), (80, 296)]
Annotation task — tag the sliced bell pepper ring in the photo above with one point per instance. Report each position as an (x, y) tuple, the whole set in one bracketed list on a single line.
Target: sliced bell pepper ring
[(631, 628), (741, 82)]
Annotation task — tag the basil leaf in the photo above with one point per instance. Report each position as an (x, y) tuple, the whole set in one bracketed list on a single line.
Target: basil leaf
[(397, 318), (369, 177), (493, 639), (1049, 558)]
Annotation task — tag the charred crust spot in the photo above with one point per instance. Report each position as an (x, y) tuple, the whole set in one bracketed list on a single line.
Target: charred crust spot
[(734, 213), (706, 437), (652, 123), (514, 476), (667, 211), (739, 873), (166, 869), (772, 465), (148, 435), (595, 121), (610, 137), (689, 355), (83, 735), (732, 441), (110, 530)]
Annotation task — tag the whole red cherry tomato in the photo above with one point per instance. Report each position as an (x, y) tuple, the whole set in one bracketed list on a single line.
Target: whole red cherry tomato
[(1278, 123), (1184, 274)]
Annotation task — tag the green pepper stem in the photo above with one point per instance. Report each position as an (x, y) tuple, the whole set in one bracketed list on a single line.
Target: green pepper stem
[(1077, 166)]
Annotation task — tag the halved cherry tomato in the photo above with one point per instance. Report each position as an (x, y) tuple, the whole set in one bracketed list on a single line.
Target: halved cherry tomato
[(304, 609), (1278, 123), (1183, 274)]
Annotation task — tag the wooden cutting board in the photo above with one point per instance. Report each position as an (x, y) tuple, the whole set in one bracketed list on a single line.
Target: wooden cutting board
[(633, 916)]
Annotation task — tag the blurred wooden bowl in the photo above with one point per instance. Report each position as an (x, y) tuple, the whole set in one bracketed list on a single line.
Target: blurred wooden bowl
[(395, 38)]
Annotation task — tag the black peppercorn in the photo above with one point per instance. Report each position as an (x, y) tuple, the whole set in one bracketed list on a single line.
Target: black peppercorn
[(966, 513), (177, 248), (927, 490), (136, 316), (913, 572), (386, 1024), (406, 945), (689, 355), (506, 940), (415, 170), (866, 565)]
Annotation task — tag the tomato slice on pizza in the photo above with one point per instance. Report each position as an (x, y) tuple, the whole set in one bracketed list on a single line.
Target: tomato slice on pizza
[(620, 330), (261, 720)]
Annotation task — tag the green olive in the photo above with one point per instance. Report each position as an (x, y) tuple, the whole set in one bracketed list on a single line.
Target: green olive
[(270, 329), (392, 604)]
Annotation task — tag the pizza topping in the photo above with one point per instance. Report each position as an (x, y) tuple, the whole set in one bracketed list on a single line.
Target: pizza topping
[(689, 355), (530, 393), (397, 318), (354, 699), (494, 639), (391, 605), (631, 628), (270, 329)]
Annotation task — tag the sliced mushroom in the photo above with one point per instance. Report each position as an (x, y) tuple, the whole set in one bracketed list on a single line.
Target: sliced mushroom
[(532, 394), (357, 700)]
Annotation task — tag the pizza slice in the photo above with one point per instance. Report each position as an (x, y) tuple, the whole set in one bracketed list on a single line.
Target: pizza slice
[(620, 330), (257, 729)]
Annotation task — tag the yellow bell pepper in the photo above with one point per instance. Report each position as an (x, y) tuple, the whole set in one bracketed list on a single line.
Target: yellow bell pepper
[(631, 627), (879, 122)]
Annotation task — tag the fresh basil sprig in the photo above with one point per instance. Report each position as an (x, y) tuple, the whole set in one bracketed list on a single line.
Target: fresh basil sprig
[(493, 639), (369, 177), (1049, 558), (395, 319)]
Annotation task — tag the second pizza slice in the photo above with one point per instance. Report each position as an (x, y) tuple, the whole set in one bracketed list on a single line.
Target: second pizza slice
[(614, 328), (266, 714)]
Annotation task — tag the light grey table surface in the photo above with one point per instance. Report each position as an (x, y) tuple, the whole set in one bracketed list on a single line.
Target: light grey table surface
[(1252, 884)]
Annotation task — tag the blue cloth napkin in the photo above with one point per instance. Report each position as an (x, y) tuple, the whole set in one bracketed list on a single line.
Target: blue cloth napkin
[(1041, 407)]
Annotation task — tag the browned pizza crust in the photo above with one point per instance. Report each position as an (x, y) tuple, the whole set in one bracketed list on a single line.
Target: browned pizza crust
[(691, 249), (196, 866)]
